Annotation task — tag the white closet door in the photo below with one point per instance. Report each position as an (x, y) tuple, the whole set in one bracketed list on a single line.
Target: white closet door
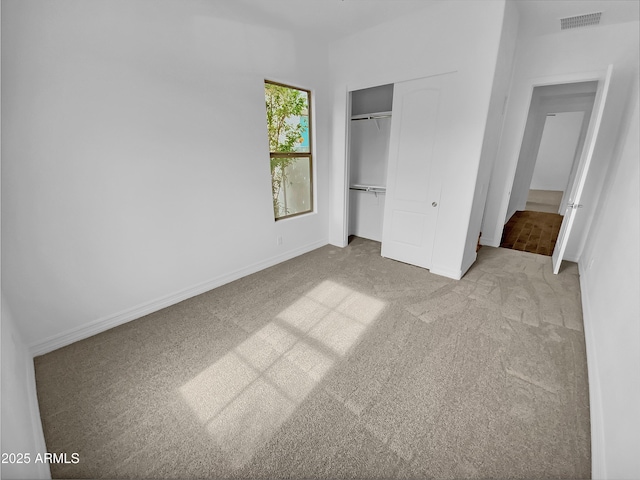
[(417, 149)]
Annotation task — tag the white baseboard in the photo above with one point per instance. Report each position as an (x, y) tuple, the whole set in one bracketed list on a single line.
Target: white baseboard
[(571, 258), (105, 323), (42, 470), (454, 274), (445, 272), (466, 266), (598, 462), (489, 241)]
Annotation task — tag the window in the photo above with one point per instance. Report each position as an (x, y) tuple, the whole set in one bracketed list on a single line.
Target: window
[(289, 128)]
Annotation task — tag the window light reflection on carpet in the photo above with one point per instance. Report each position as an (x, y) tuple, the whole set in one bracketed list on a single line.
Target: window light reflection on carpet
[(247, 395)]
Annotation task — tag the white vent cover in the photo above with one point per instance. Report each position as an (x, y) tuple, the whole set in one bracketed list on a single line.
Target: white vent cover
[(580, 20)]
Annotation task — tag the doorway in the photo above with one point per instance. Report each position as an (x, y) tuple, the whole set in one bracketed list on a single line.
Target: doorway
[(368, 138), (423, 120), (556, 156), (553, 141)]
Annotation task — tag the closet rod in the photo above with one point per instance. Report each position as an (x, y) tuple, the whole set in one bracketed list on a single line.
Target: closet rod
[(372, 117), (368, 188)]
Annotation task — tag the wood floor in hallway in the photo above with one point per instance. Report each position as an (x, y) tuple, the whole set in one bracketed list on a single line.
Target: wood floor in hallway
[(535, 232)]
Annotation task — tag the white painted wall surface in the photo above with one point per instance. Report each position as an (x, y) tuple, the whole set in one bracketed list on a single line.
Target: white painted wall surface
[(135, 158), (610, 282), (21, 428), (559, 54), (447, 36), (557, 151), (495, 124), (366, 214), (369, 151)]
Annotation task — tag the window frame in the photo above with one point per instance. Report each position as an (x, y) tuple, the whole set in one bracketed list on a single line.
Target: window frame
[(308, 155)]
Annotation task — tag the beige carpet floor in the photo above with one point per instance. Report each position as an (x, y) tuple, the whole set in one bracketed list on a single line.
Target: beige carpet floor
[(336, 364)]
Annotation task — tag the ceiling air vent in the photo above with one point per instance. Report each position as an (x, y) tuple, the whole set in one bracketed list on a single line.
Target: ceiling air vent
[(580, 21)]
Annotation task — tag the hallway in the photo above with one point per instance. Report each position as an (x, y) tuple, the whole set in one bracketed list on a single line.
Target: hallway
[(534, 232)]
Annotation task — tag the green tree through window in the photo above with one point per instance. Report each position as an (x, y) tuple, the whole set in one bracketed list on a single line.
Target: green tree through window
[(289, 130)]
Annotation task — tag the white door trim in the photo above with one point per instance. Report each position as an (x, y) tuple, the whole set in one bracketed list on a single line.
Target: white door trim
[(525, 104), (583, 169)]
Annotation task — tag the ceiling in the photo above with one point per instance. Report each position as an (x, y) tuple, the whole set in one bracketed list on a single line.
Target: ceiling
[(540, 17), (322, 19), (326, 20)]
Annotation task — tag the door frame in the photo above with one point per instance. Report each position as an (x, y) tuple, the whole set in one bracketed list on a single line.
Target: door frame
[(347, 154), (582, 171), (534, 131), (582, 137), (528, 85)]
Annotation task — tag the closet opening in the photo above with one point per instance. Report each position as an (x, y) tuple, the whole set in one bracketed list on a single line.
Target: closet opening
[(368, 152)]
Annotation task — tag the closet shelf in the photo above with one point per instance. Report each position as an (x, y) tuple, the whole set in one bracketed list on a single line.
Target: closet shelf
[(369, 188), (371, 116)]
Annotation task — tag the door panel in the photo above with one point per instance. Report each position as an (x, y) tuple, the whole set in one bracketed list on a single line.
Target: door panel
[(417, 121), (582, 170), (407, 228), (413, 176)]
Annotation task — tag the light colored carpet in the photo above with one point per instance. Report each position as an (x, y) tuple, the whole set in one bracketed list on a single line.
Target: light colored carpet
[(544, 201), (336, 364)]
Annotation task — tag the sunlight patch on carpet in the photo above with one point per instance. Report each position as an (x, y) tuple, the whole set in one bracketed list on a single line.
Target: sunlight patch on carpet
[(247, 395)]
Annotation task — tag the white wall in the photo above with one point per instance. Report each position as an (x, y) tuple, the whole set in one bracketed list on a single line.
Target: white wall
[(369, 151), (366, 214), (135, 158), (21, 427), (582, 50), (447, 36), (557, 150), (610, 282), (495, 124)]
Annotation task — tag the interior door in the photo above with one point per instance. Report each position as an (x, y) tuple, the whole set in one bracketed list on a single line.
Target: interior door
[(582, 170), (417, 148)]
